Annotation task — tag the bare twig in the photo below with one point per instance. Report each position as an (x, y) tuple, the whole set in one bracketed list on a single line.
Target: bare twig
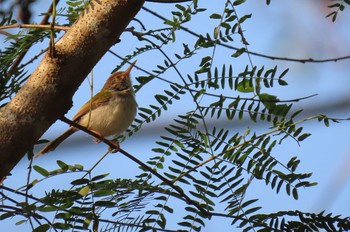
[(20, 57), (34, 26), (5, 33), (33, 58), (45, 19)]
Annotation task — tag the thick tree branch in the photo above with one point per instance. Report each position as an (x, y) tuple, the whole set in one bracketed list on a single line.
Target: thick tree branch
[(47, 95)]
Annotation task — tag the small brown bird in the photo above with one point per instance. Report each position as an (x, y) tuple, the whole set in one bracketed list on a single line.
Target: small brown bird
[(109, 112)]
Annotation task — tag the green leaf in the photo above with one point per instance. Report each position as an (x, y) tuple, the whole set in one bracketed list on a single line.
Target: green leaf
[(244, 18), (41, 170), (180, 7), (303, 136), (20, 222), (238, 52), (85, 190), (216, 32), (42, 228), (281, 110), (62, 165), (80, 181), (326, 122), (103, 193), (63, 226), (252, 210), (282, 82), (283, 73), (63, 215), (79, 167), (205, 60), (160, 166), (268, 100), (238, 2), (215, 16), (295, 193), (155, 212), (146, 110), (99, 177), (47, 208), (6, 215), (245, 86), (105, 204), (31, 184)]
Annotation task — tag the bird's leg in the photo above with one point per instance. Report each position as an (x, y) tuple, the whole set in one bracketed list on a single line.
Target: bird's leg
[(96, 140), (112, 149)]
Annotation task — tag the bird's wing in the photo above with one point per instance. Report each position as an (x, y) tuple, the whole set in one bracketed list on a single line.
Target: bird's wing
[(103, 98)]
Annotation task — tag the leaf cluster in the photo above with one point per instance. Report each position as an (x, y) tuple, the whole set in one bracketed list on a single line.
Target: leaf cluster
[(336, 7)]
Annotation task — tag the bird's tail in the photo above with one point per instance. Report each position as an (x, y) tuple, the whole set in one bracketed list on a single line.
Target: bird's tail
[(54, 143)]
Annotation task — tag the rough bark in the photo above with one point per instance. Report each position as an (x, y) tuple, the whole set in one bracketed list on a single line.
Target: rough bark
[(47, 95)]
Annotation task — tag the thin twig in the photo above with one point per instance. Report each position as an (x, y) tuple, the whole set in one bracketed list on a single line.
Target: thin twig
[(33, 58), (27, 189), (309, 60), (113, 146), (45, 19), (20, 57), (95, 165), (250, 140), (5, 33), (24, 213), (212, 94), (64, 28)]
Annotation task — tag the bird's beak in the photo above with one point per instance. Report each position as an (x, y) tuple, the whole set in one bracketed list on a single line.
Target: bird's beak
[(130, 67)]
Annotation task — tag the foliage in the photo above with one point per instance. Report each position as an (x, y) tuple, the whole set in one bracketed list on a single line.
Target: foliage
[(207, 169), (338, 6)]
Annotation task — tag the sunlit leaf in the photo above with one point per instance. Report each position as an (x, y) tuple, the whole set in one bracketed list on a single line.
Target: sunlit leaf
[(85, 190)]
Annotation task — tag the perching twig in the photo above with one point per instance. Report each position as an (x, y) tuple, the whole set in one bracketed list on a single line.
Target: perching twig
[(113, 146)]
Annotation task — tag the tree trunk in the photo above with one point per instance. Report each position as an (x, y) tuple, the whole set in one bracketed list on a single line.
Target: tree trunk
[(47, 95)]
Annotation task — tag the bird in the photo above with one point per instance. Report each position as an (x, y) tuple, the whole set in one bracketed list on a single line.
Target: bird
[(110, 112)]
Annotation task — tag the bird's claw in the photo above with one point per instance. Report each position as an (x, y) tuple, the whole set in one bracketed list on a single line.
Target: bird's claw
[(98, 140), (115, 147)]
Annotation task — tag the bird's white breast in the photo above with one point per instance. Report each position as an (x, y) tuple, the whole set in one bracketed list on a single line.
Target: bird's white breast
[(113, 118)]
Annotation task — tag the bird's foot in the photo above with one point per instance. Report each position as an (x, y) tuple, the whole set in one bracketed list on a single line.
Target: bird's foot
[(115, 148), (98, 140)]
